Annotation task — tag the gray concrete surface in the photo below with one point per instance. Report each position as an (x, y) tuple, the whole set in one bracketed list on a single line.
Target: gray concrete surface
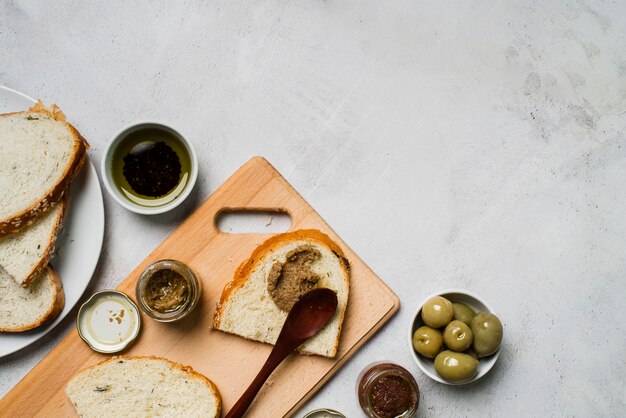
[(476, 145)]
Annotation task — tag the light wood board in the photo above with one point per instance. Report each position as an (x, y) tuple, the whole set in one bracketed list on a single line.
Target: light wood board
[(231, 362)]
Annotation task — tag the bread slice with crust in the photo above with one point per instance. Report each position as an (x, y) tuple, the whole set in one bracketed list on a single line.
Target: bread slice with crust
[(130, 386), (247, 308), (41, 153), (25, 253), (23, 309)]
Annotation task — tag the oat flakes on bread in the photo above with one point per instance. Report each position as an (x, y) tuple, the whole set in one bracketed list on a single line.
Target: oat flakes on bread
[(41, 154), (250, 305), (129, 386), (25, 253), (23, 309)]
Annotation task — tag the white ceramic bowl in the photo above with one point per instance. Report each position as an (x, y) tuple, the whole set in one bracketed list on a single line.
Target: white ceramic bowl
[(427, 365), (114, 191)]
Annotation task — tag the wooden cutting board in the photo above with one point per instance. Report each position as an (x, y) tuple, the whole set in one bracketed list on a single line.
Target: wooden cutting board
[(231, 362)]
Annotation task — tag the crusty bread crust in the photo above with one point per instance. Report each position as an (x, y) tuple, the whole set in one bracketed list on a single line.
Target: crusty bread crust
[(54, 310), (187, 369), (56, 193), (47, 254), (242, 273)]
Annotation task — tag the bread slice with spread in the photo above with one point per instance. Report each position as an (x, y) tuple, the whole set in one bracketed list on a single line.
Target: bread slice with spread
[(254, 305), (25, 253), (41, 154), (23, 309), (143, 387)]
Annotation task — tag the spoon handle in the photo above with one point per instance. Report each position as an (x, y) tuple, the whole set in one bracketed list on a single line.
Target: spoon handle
[(278, 354)]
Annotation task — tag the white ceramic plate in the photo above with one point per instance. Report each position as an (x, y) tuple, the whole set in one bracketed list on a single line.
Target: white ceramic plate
[(79, 242)]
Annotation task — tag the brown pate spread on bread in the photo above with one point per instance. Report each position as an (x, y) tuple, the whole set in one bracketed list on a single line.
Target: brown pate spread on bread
[(288, 281)]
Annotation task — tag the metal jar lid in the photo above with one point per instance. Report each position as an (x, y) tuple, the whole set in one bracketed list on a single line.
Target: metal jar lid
[(109, 321), (324, 413)]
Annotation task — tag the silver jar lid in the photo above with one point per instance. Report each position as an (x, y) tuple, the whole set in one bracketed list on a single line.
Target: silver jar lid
[(109, 321), (324, 413)]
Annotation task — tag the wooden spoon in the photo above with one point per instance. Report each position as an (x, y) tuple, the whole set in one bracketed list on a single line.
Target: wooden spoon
[(307, 316)]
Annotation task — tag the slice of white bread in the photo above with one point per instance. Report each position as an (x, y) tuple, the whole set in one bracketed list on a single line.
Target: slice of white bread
[(41, 154), (23, 309), (246, 307), (25, 253), (143, 387)]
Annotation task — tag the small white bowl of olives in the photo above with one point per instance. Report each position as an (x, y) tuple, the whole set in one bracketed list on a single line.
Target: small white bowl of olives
[(454, 337)]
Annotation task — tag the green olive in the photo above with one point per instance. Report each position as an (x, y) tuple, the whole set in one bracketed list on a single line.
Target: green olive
[(487, 330), (463, 313), (455, 367), (458, 336), (437, 312), (427, 341)]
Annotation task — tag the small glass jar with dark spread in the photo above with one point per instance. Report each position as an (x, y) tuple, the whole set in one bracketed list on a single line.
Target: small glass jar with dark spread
[(386, 390), (168, 290)]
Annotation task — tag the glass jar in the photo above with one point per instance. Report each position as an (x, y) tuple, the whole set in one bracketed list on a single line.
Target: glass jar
[(386, 390), (168, 281)]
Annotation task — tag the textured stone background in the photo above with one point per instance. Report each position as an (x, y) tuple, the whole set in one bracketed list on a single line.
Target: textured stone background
[(477, 145)]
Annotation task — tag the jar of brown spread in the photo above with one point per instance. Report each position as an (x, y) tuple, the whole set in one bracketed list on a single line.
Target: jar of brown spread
[(386, 390), (168, 290)]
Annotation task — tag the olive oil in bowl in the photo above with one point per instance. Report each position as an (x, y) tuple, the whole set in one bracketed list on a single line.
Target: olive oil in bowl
[(151, 166)]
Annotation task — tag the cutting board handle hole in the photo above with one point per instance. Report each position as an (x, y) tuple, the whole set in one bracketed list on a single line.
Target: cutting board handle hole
[(252, 221)]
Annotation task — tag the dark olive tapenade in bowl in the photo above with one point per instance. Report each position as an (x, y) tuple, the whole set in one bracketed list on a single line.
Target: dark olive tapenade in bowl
[(149, 167)]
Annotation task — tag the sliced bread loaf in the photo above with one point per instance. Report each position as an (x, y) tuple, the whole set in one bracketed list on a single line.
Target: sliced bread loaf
[(25, 253), (255, 303), (143, 387), (23, 309), (41, 154)]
